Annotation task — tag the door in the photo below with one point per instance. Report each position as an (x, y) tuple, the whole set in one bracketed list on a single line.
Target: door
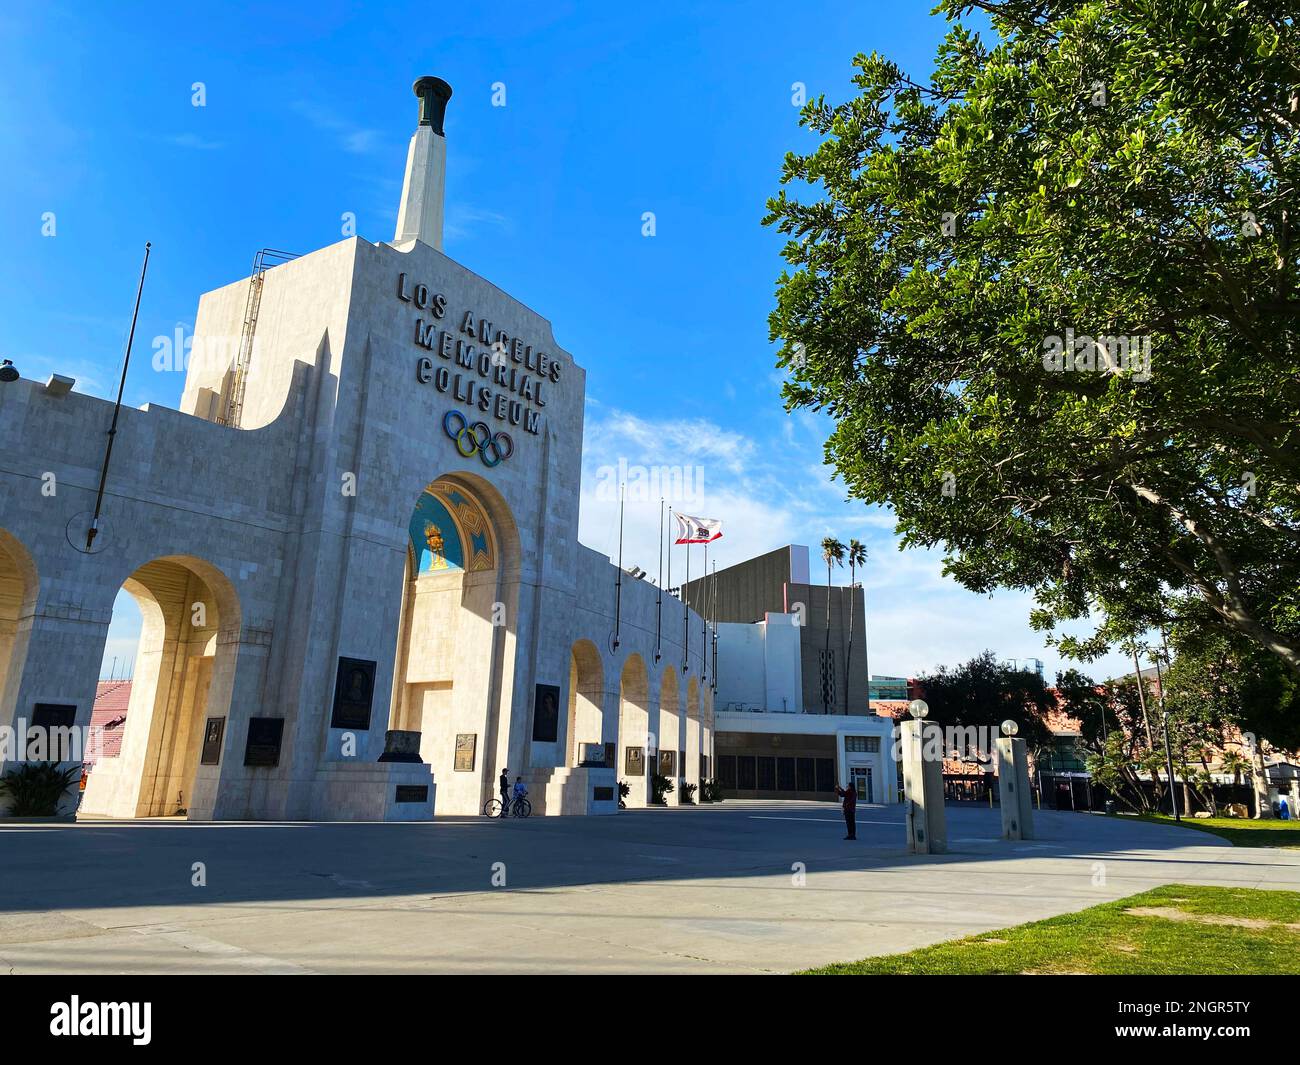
[(861, 777)]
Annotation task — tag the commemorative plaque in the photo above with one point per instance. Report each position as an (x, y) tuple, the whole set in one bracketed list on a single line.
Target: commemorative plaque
[(634, 762), (212, 733), (52, 746), (546, 713), (354, 689), (264, 737), (466, 746)]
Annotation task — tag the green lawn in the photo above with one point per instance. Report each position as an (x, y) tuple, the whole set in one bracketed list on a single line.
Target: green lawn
[(1185, 930), (1240, 831)]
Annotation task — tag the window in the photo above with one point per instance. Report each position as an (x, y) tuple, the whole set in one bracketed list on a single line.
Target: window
[(862, 744), (825, 774), (806, 768), (727, 770), (745, 772), (767, 774), (785, 774)]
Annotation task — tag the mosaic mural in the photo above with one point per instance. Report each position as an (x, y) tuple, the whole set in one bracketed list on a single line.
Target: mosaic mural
[(450, 531)]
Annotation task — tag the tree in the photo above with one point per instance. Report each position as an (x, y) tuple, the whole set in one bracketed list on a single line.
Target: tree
[(833, 553), (857, 556), (1114, 737), (1222, 683), (1050, 300), (982, 693)]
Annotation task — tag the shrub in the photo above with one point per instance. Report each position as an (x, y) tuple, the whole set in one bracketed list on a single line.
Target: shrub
[(660, 787), (688, 793), (35, 788)]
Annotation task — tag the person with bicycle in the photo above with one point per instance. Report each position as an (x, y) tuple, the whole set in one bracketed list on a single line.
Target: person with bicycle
[(520, 792), (504, 784)]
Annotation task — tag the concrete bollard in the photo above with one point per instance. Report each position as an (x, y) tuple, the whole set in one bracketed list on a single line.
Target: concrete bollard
[(927, 831), (1013, 789)]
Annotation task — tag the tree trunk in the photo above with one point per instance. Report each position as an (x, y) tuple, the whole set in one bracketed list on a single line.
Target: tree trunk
[(1263, 809), (848, 658), (826, 660)]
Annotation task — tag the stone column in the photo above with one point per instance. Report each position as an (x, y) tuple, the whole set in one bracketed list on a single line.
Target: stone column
[(927, 831), (1013, 789)]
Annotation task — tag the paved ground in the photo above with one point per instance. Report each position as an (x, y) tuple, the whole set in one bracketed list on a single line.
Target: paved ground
[(685, 890)]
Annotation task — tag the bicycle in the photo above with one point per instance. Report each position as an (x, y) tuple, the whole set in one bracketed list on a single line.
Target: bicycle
[(519, 807)]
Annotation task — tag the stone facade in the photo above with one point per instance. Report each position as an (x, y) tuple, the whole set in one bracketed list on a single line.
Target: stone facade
[(263, 554)]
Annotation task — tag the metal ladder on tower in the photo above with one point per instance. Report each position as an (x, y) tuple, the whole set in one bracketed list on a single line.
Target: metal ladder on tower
[(263, 261)]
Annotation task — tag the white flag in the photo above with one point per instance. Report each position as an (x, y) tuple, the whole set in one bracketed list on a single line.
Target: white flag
[(697, 530)]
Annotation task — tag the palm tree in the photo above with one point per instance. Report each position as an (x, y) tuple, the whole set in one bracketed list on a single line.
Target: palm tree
[(833, 553), (1233, 762), (857, 557)]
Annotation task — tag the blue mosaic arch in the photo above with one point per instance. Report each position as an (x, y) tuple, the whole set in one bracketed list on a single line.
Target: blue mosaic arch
[(450, 531)]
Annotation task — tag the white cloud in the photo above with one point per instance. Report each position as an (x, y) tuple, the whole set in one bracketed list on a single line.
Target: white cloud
[(359, 140), (917, 617)]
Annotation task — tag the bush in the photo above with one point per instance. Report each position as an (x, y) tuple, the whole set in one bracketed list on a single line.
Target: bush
[(688, 793), (660, 787), (624, 790), (35, 788), (710, 792)]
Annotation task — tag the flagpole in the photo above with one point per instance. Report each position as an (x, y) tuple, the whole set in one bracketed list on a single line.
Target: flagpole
[(659, 601), (704, 619), (686, 614), (93, 531), (713, 601), (618, 581)]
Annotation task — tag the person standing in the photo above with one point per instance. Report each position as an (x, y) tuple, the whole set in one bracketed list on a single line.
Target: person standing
[(504, 784), (850, 796)]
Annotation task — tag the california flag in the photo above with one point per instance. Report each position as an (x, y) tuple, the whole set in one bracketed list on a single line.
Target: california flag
[(697, 530)]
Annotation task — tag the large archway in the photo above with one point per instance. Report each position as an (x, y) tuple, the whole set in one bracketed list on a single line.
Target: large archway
[(18, 587), (586, 715), (668, 760), (456, 638), (634, 731), (692, 742), (170, 749)]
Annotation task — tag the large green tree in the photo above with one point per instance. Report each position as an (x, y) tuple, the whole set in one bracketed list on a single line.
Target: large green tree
[(986, 261), (983, 692)]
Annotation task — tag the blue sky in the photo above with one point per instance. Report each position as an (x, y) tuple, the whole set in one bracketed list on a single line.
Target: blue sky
[(611, 111)]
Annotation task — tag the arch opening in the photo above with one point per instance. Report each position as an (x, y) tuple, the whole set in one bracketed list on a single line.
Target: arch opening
[(586, 712), (18, 587), (153, 737), (634, 731), (456, 632)]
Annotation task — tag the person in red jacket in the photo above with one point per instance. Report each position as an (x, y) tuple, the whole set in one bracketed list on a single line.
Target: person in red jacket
[(850, 796)]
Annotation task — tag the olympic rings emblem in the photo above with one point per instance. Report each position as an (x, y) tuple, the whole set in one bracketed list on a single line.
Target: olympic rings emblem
[(470, 437)]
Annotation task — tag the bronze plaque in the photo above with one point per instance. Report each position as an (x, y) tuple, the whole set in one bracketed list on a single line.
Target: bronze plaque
[(667, 763), (55, 720), (354, 689), (466, 746), (546, 713), (412, 793), (212, 733), (264, 737), (634, 762)]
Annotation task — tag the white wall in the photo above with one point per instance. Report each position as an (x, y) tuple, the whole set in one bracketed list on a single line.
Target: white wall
[(758, 665)]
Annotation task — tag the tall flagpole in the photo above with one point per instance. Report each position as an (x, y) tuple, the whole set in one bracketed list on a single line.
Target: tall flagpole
[(659, 601), (686, 614), (704, 618), (93, 531), (618, 582), (713, 605)]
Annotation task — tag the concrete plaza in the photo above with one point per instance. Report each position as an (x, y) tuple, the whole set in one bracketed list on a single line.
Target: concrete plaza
[(684, 890)]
